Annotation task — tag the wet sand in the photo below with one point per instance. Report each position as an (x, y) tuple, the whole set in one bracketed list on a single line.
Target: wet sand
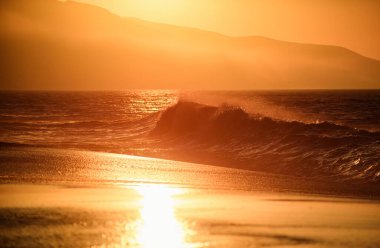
[(143, 215), (65, 198)]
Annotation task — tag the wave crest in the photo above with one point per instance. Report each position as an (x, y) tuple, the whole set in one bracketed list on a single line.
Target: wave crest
[(230, 136)]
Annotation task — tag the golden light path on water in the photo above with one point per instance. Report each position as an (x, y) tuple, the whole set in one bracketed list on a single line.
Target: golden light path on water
[(158, 225)]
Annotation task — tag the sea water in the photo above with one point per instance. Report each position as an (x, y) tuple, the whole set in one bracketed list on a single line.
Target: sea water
[(323, 134)]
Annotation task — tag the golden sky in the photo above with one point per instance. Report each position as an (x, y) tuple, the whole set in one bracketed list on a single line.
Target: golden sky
[(354, 24), (83, 47)]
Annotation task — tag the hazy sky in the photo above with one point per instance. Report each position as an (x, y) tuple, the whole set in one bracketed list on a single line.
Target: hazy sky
[(354, 24), (53, 45)]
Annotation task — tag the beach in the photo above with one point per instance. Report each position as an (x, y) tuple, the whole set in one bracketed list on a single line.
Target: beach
[(189, 124), (90, 199)]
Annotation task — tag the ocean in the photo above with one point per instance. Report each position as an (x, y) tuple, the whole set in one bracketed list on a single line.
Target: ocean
[(332, 135), (259, 169)]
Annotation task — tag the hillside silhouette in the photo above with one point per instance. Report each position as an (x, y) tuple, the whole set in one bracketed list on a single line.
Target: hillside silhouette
[(52, 45)]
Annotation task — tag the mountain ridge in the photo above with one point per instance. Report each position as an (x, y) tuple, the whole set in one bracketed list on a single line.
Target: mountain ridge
[(51, 45)]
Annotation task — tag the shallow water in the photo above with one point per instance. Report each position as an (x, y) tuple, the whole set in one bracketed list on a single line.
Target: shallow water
[(23, 164)]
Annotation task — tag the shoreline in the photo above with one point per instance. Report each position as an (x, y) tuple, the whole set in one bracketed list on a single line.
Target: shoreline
[(53, 166), (92, 199)]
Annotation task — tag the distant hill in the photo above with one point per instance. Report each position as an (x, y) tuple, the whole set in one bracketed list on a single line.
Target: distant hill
[(46, 44)]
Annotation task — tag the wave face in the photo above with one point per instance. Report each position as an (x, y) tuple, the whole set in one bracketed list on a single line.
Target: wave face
[(230, 136)]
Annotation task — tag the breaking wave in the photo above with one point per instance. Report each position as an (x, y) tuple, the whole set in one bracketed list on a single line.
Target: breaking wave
[(228, 135)]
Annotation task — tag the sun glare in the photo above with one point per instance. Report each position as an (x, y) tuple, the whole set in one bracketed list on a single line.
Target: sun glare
[(158, 225)]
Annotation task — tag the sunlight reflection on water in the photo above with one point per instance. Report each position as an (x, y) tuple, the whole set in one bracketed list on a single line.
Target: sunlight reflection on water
[(158, 225)]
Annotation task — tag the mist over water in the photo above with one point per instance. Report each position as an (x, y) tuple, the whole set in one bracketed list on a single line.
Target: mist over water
[(323, 134)]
